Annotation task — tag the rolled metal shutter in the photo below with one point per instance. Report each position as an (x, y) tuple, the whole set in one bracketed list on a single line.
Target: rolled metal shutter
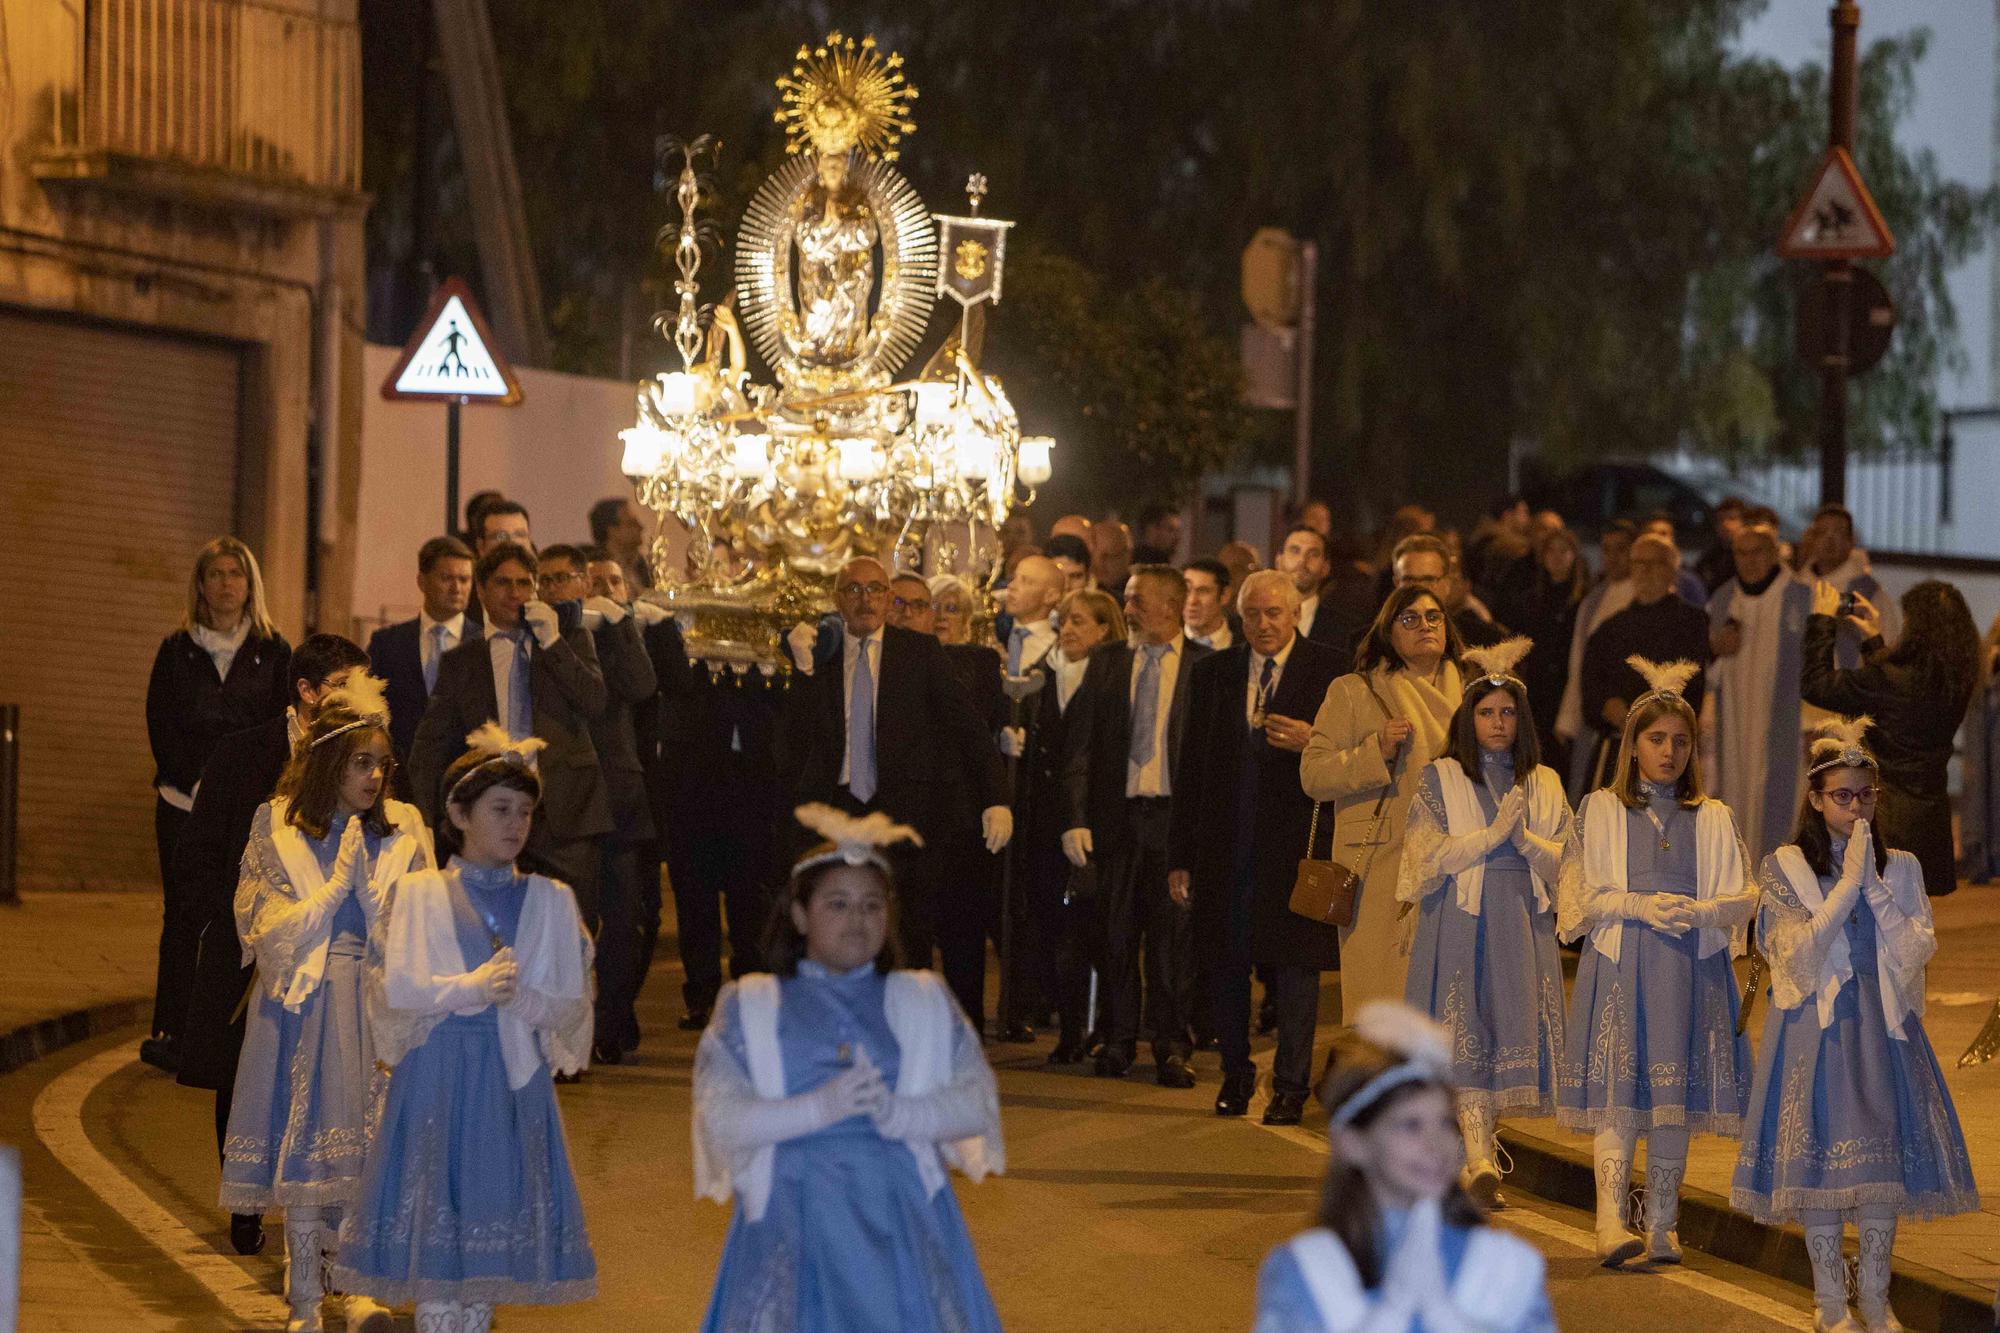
[(118, 459)]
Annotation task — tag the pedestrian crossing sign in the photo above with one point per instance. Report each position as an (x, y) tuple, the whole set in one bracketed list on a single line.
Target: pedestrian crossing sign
[(1837, 219), (451, 358)]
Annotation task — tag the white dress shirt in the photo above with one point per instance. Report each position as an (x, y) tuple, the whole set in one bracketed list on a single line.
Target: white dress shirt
[(1041, 638), (1257, 660), (500, 651), (1152, 778), (1308, 612), (428, 646), (850, 651), (1220, 640)]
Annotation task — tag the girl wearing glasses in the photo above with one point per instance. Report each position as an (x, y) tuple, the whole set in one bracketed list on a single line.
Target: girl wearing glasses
[(315, 880), (1850, 1118), (1662, 888), (1492, 824)]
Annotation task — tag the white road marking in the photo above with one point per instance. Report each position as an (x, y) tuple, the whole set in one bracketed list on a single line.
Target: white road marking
[(58, 1114), (1576, 1237)]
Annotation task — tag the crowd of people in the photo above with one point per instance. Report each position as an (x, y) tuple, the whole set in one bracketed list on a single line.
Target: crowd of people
[(1481, 748)]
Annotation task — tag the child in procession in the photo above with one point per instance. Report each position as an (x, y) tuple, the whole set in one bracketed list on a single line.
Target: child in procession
[(478, 989), (1661, 888)]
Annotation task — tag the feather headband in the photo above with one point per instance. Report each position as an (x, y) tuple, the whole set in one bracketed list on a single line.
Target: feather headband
[(495, 746), (854, 839), (364, 696), (1664, 680), (1423, 1045), (1496, 664), (1839, 744)]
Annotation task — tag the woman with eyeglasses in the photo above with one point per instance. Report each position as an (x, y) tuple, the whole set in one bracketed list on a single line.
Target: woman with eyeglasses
[(1375, 732), (1849, 1119)]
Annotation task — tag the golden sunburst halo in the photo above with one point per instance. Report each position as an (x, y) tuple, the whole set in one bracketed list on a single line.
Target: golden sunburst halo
[(845, 94)]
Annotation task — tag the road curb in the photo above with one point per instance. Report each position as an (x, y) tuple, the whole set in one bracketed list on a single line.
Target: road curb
[(45, 1036), (1926, 1300)]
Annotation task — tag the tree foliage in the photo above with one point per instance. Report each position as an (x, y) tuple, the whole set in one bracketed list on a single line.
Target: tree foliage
[(1542, 223)]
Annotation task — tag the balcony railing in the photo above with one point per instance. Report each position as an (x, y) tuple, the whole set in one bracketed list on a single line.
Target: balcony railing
[(248, 88)]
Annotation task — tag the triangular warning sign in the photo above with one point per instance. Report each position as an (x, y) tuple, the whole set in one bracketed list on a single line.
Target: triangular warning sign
[(1837, 219), (451, 357)]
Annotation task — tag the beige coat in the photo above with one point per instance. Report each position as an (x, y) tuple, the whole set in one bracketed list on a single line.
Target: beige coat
[(1343, 763)]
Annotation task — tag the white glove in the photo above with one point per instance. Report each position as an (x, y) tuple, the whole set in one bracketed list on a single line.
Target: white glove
[(761, 1122), (492, 982), (604, 606), (1668, 913), (800, 641), (996, 825), (950, 1113), (1076, 845), (541, 621), (649, 613), (1013, 740), (1860, 858), (1513, 811)]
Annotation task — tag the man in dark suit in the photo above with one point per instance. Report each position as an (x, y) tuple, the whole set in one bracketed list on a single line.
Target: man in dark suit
[(873, 726), (1240, 825), (240, 775), (406, 655), (536, 679), (1119, 780)]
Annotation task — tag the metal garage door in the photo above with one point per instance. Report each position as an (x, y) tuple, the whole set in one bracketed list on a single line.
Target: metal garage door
[(118, 458)]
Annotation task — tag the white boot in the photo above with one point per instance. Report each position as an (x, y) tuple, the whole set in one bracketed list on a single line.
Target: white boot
[(305, 1272), (365, 1315), (1666, 1164), (1482, 1173), (1616, 1244), (478, 1319), (1871, 1277), (440, 1316), (1829, 1270)]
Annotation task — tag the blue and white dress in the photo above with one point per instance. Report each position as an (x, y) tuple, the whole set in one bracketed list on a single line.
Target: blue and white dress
[(307, 1085), (1651, 1039), (1485, 962), (1850, 1108), (1310, 1285), (468, 1194), (842, 1230)]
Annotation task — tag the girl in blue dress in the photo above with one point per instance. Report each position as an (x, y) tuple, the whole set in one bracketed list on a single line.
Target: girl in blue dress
[(1849, 1117), (478, 987), (1400, 1247), (316, 872), (1481, 862), (829, 1098), (1662, 888)]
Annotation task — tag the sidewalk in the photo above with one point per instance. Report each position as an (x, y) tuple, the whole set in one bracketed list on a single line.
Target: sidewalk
[(73, 965), (1946, 1269)]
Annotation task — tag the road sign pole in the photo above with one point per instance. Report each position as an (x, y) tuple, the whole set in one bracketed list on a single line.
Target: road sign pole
[(1842, 91), (451, 467)]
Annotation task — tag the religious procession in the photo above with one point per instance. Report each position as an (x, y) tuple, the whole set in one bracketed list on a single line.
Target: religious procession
[(1308, 841)]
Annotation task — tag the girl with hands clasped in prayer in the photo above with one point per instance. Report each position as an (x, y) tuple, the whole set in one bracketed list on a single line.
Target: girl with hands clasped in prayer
[(828, 1099), (1491, 825), (1662, 889), (1850, 1117), (1400, 1247)]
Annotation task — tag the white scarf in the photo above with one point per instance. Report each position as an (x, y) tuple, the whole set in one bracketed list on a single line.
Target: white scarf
[(1718, 863), (222, 648), (407, 848), (1500, 1277), (1463, 816), (1838, 969), (923, 1019)]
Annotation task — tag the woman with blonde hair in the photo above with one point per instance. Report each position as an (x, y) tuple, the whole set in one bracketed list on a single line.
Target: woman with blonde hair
[(1376, 731), (224, 669)]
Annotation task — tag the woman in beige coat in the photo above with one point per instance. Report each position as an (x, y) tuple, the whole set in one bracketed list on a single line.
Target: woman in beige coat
[(1377, 728)]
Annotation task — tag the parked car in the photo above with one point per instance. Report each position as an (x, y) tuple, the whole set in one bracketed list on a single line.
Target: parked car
[(1594, 495)]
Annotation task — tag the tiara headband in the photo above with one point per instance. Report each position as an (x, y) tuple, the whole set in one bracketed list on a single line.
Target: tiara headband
[(492, 741), (1496, 663), (1422, 1043), (1664, 680), (366, 696), (856, 840), (1839, 745)]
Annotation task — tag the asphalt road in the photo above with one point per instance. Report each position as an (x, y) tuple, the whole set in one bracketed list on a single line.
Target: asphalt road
[(1124, 1206)]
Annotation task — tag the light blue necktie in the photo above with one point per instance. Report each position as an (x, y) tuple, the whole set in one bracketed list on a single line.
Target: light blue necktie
[(1016, 642), (431, 667), (520, 707), (1146, 704), (861, 729)]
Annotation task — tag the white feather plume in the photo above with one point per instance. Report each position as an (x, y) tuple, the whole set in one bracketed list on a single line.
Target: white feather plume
[(1410, 1033), (855, 835), (360, 694), (1836, 736), (1501, 658), (1664, 677), (492, 741)]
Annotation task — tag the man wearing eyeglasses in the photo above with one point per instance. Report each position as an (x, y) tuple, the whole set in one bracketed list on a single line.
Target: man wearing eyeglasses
[(873, 728)]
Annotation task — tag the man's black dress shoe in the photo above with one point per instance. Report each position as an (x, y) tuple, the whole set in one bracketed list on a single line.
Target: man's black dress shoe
[(1112, 1063), (1174, 1073), (1018, 1033), (1209, 1042), (607, 1053), (694, 1020), (162, 1052), (1237, 1089), (246, 1233), (1068, 1051), (1284, 1108)]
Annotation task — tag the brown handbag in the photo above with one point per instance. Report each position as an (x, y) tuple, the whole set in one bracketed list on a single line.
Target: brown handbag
[(1327, 891)]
